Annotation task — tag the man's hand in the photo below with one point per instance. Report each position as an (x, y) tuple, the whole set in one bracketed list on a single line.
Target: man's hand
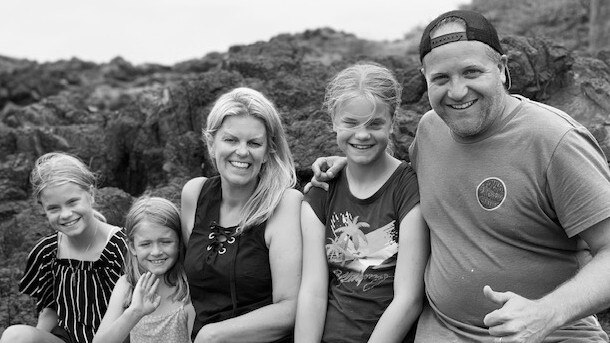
[(324, 169), (518, 319)]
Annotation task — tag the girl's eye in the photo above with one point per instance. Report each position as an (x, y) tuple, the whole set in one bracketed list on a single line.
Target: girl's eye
[(144, 244), (255, 144), (229, 140)]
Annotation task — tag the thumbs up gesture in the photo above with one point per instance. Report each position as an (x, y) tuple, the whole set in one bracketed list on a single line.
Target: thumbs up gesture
[(517, 319)]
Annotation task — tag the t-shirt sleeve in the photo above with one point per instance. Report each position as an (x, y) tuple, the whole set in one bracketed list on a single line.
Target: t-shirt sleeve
[(406, 192), (579, 182), (317, 199), (37, 280)]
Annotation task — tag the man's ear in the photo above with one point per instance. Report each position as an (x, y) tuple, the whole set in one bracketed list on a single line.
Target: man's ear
[(505, 72)]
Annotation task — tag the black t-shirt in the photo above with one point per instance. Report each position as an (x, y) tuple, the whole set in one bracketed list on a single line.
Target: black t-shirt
[(361, 249)]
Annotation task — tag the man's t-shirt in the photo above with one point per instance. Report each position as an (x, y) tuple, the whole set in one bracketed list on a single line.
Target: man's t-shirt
[(504, 209), (361, 249)]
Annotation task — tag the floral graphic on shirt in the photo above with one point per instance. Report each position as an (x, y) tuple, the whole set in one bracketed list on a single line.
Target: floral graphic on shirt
[(345, 247), (351, 248)]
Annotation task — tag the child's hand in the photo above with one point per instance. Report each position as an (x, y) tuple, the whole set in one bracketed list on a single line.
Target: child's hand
[(145, 298)]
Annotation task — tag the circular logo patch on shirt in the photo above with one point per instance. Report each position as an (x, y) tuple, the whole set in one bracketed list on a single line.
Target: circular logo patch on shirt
[(491, 193)]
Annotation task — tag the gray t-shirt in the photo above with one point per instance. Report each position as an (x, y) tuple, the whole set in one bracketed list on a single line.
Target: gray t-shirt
[(504, 209)]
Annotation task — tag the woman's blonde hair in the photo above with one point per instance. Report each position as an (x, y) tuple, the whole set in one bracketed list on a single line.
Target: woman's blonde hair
[(58, 168), (278, 173), (162, 212)]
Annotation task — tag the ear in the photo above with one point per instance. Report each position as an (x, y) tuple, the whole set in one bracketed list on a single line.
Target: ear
[(210, 143), (92, 193), (505, 72)]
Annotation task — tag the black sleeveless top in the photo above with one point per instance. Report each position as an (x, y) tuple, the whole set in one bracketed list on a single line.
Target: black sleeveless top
[(228, 274)]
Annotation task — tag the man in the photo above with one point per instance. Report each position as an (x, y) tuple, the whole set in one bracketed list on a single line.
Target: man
[(508, 188)]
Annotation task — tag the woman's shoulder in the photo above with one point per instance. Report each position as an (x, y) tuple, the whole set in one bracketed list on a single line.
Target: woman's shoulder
[(193, 185)]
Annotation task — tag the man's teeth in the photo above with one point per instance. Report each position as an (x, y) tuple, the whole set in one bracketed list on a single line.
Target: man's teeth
[(462, 106), (240, 164)]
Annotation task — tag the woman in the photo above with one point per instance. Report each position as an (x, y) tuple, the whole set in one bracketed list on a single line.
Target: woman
[(243, 259)]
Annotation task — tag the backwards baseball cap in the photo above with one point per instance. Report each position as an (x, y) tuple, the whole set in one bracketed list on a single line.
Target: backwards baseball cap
[(477, 28)]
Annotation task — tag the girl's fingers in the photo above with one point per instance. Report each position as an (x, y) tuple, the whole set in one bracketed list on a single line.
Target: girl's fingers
[(153, 289), (150, 280), (141, 281)]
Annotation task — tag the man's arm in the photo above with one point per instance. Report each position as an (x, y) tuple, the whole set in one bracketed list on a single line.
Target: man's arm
[(524, 320), (325, 169)]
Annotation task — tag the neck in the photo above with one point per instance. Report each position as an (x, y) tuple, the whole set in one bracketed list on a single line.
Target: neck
[(88, 237), (364, 173), (236, 196), (233, 200)]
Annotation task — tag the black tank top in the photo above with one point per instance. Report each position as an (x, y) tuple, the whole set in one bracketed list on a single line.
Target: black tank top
[(228, 274)]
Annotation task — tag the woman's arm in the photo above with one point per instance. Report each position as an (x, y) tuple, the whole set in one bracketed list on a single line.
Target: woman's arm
[(47, 319), (273, 321), (118, 321), (188, 205), (413, 252), (313, 295)]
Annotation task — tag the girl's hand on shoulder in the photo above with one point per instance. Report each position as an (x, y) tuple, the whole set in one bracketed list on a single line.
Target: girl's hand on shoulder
[(145, 299)]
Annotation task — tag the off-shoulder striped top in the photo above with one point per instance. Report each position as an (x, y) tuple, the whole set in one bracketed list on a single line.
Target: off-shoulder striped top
[(78, 290)]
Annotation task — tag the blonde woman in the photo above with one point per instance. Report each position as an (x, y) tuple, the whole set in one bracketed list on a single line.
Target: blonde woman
[(243, 259)]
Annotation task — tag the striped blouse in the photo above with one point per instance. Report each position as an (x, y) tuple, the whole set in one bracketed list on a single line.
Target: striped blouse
[(78, 290)]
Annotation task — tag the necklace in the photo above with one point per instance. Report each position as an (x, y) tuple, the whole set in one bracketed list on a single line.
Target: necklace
[(67, 250)]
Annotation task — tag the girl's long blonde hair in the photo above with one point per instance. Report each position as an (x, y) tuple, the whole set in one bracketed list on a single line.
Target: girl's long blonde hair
[(278, 173)]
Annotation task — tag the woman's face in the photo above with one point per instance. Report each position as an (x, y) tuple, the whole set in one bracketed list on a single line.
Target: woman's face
[(239, 149)]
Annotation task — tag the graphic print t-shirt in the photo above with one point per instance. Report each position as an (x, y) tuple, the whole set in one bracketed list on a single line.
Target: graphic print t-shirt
[(361, 250)]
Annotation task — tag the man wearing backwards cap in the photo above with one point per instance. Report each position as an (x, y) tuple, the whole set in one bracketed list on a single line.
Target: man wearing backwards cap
[(508, 188)]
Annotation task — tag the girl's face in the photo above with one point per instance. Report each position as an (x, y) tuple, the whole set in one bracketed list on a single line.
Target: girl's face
[(68, 208), (363, 135), (155, 247), (240, 149)]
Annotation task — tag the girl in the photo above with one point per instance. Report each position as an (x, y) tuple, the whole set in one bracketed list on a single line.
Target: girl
[(71, 273), (243, 259), (365, 244), (150, 303)]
